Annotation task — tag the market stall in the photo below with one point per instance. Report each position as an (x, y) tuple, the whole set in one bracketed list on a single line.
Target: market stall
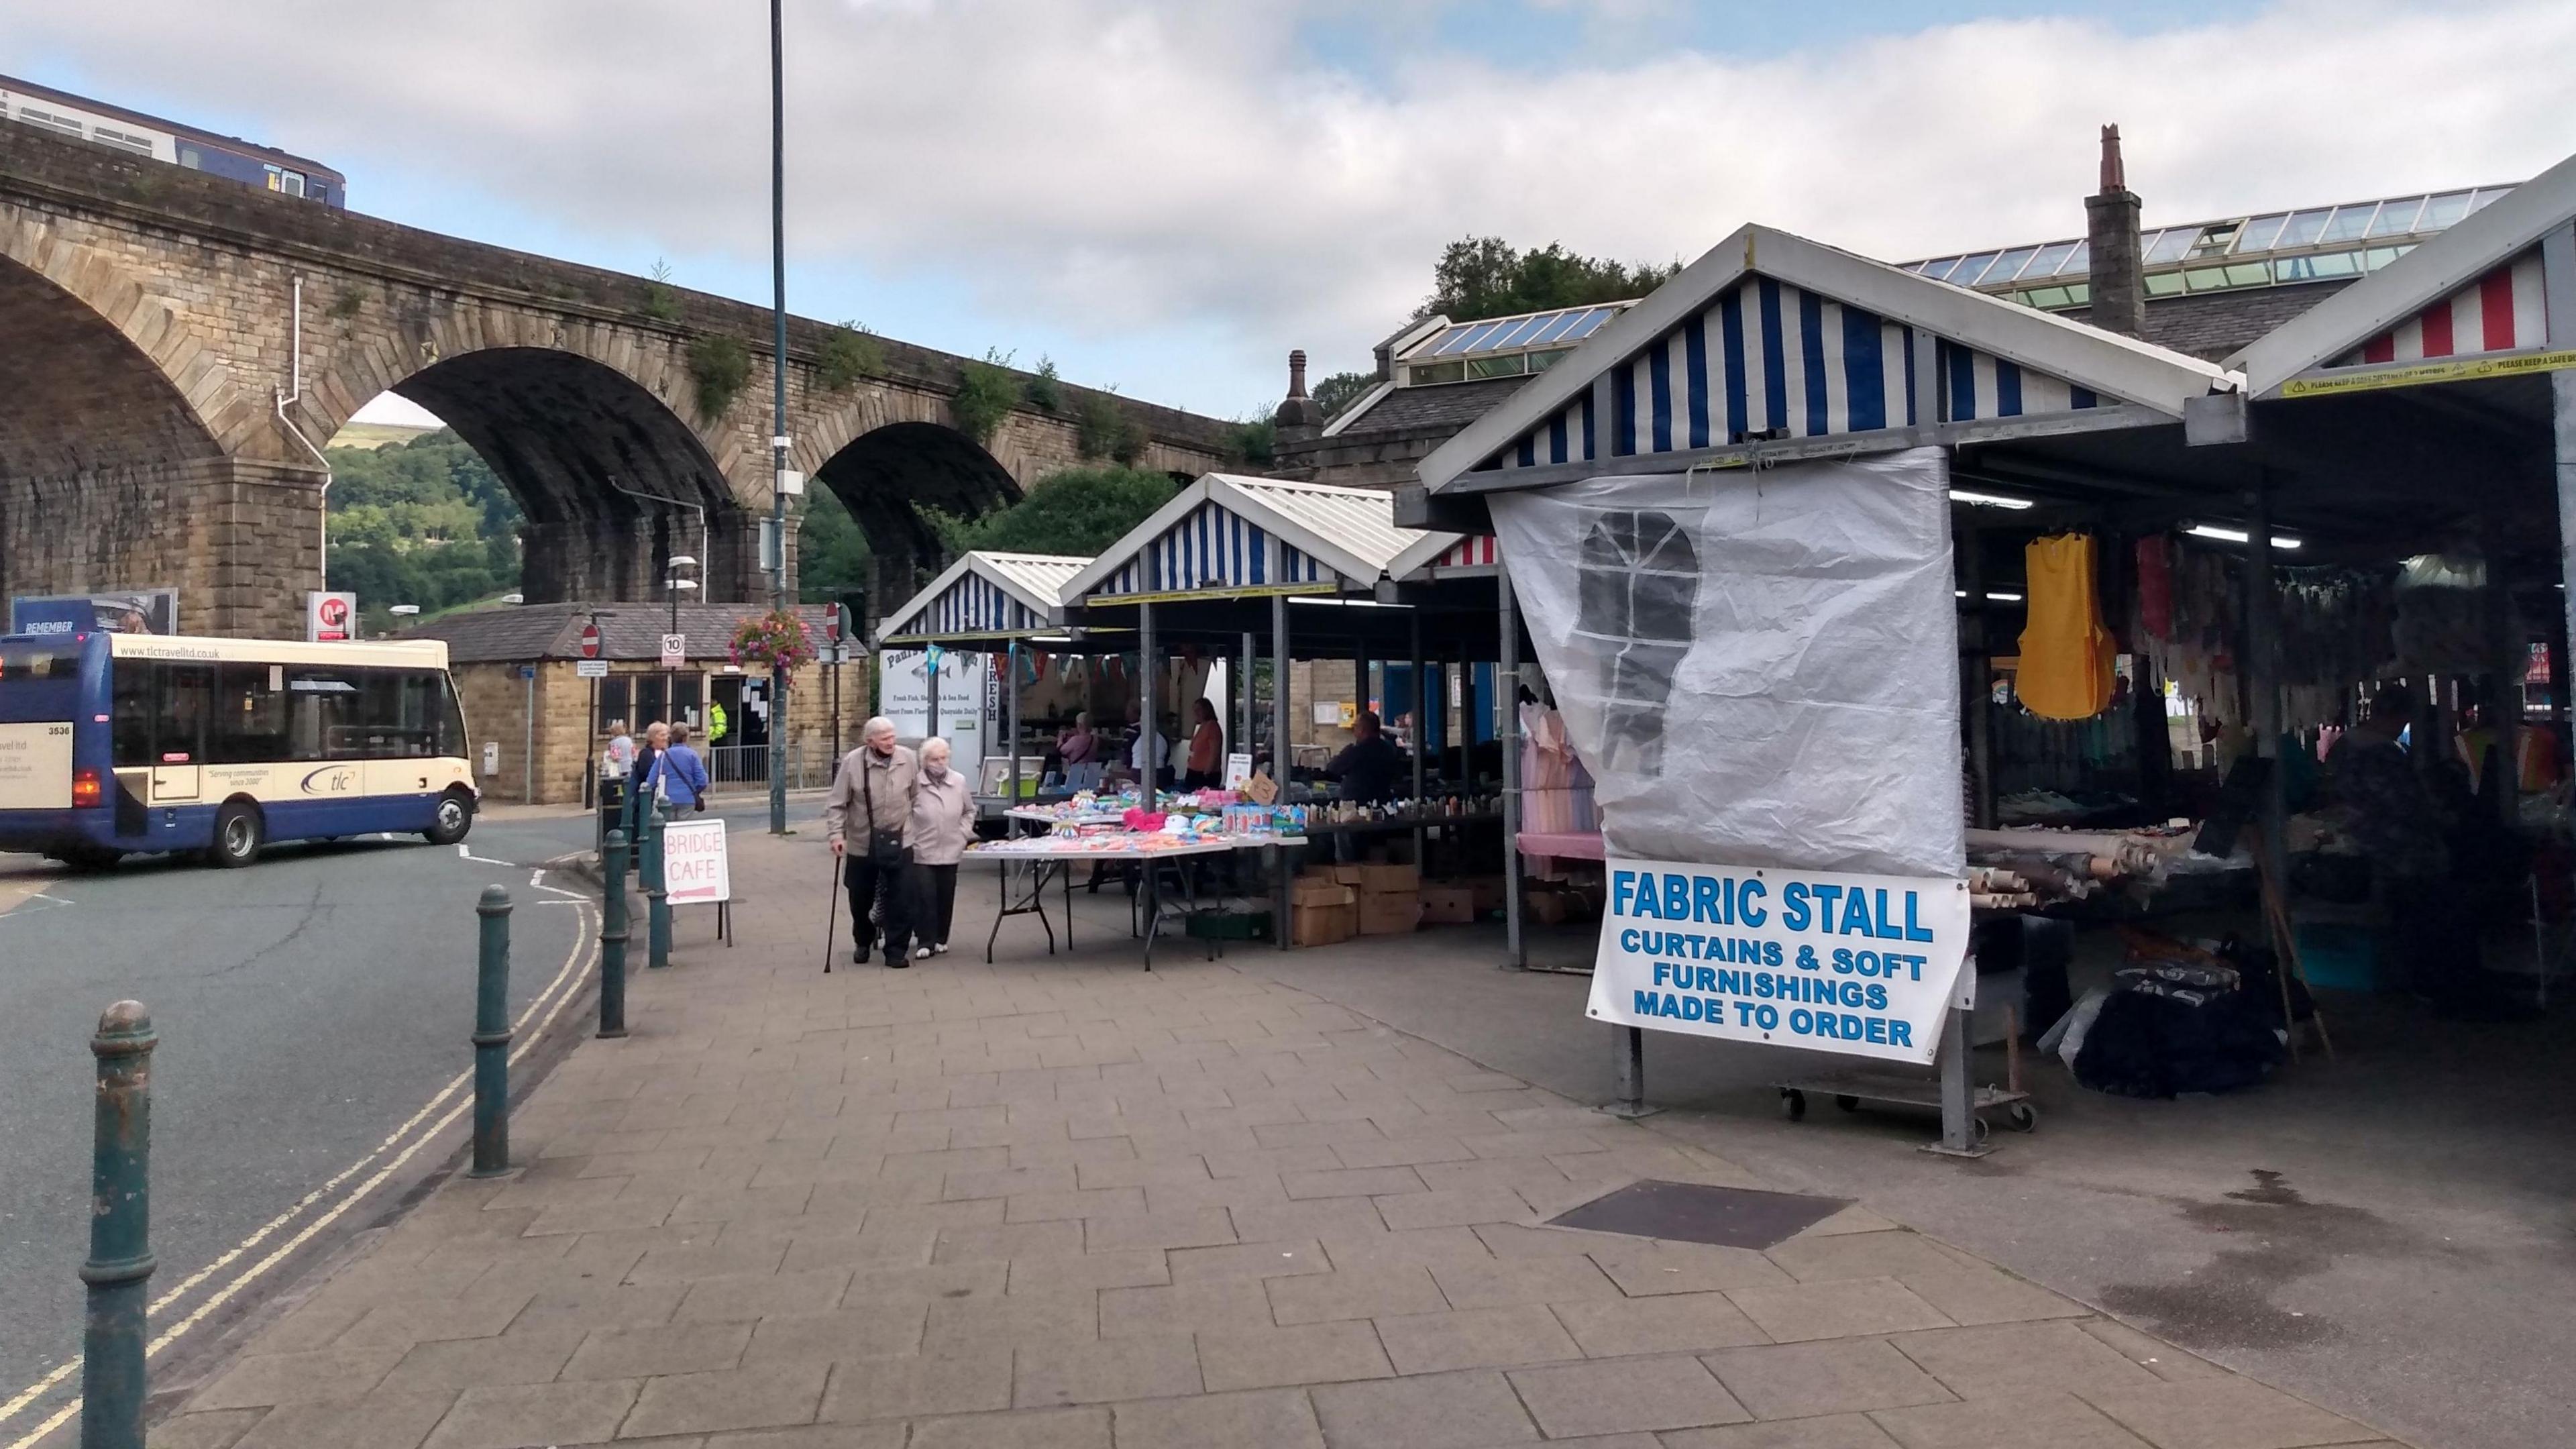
[(1325, 575), (1661, 501), (997, 609)]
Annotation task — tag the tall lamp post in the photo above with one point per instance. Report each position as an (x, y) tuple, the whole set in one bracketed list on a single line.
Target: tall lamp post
[(778, 406), (674, 585)]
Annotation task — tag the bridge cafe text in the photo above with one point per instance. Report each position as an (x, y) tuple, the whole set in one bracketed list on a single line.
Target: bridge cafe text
[(1861, 965)]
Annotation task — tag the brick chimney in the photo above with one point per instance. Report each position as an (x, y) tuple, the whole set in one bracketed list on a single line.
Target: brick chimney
[(2116, 272), (1299, 417)]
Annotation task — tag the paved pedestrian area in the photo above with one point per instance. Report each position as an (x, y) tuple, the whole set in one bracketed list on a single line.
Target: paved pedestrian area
[(1062, 1203)]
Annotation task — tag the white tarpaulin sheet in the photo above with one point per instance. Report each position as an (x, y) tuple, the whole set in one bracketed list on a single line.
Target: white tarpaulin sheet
[(1760, 667)]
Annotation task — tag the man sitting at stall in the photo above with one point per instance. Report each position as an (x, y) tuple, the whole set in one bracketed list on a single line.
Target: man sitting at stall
[(1365, 771), (2403, 833)]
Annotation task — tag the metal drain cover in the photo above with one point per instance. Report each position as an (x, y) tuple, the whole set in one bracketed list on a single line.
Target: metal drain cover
[(1691, 1212)]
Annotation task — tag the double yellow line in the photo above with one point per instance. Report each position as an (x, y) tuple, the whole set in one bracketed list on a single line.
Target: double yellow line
[(401, 1146)]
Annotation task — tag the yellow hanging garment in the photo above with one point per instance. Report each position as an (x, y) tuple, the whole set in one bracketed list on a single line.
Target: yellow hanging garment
[(2065, 652)]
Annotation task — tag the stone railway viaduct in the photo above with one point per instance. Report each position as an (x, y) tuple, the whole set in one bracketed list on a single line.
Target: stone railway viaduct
[(149, 346)]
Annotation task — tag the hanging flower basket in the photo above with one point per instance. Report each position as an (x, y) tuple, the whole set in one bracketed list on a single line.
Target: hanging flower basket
[(776, 640)]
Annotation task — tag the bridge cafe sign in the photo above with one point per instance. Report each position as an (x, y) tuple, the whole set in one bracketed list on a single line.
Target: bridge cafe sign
[(1860, 965)]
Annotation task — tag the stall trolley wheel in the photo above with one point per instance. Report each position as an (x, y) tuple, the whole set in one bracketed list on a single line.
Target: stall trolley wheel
[(1793, 1104), (1985, 1129), (2022, 1116), (1847, 1102)]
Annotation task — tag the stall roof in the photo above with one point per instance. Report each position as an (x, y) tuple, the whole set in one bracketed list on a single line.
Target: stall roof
[(1771, 337), (1230, 535), (986, 595), (2468, 303)]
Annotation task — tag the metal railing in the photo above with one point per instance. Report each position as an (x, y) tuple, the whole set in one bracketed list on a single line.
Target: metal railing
[(747, 766)]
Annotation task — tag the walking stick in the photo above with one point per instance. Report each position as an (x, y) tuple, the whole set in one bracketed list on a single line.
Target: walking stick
[(832, 915)]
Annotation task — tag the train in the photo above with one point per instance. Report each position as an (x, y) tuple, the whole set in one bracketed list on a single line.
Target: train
[(136, 133)]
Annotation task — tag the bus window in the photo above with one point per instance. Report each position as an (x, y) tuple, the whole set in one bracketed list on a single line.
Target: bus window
[(187, 698), (131, 733), (250, 717), (322, 715), (451, 721)]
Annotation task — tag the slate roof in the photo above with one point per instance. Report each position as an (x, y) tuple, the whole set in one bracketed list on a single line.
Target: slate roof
[(629, 632), (2215, 325), (1446, 405)]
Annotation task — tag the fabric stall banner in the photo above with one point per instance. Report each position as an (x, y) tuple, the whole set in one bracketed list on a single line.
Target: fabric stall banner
[(1858, 965), (1760, 667)]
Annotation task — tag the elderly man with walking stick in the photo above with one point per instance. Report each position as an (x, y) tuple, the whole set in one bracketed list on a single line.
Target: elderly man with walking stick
[(865, 814)]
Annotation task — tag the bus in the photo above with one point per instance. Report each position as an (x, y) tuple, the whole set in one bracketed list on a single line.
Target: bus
[(114, 744)]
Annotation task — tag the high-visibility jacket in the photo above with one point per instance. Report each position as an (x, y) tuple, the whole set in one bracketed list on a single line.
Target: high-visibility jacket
[(715, 723)]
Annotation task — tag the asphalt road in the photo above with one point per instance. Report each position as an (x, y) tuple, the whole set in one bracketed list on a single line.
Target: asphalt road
[(308, 1008)]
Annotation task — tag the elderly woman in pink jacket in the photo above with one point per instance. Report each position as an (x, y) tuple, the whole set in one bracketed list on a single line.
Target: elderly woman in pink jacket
[(943, 821)]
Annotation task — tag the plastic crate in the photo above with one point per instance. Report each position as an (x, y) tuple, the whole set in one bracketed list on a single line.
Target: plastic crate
[(1230, 926), (2339, 956)]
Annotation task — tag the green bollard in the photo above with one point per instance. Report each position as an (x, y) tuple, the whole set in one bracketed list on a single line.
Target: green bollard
[(612, 937), (657, 901), (492, 1036), (120, 1223)]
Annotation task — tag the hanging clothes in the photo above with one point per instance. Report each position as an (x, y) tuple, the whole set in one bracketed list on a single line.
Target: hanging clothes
[(2065, 652), (2155, 586)]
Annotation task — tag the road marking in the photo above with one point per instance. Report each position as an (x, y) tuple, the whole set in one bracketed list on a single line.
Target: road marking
[(465, 854), (585, 943)]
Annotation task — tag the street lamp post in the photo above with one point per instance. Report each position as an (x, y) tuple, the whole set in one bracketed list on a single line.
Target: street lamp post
[(674, 586), (778, 406)]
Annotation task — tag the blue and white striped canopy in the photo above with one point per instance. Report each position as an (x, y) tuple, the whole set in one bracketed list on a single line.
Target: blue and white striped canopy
[(1213, 548), (1771, 359)]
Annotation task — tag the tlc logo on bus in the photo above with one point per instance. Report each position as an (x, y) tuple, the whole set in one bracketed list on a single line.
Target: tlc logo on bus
[(331, 780)]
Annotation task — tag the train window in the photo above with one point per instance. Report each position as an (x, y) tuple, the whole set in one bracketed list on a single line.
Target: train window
[(121, 140), (291, 182), (190, 158)]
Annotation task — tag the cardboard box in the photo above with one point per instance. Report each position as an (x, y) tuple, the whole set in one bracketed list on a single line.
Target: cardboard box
[(1448, 905), (1323, 925), (1389, 913), (1312, 892), (1547, 907), (1381, 879), (1488, 890), (1349, 875)]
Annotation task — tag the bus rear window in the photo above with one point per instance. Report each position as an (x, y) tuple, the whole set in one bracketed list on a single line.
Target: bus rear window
[(39, 661), (39, 682)]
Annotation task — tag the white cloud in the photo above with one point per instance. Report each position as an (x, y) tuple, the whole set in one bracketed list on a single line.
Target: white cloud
[(1170, 169)]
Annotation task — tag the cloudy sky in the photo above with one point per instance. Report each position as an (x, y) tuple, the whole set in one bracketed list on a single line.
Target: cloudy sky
[(1166, 195)]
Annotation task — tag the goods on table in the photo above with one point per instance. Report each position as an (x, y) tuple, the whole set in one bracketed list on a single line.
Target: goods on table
[(1105, 843)]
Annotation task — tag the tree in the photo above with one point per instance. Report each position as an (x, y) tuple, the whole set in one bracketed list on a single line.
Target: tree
[(1341, 390), (1483, 276), (425, 522), (831, 551), (1076, 511)]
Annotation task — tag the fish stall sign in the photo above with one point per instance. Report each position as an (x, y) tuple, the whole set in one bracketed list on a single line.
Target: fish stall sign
[(1859, 965)]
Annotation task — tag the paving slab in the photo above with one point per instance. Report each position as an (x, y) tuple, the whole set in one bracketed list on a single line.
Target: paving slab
[(1058, 1201)]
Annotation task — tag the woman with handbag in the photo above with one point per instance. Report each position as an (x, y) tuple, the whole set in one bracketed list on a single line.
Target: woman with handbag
[(943, 820), (876, 782)]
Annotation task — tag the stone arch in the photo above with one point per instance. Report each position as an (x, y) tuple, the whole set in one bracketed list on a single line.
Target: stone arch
[(887, 475), (108, 472), (588, 430)]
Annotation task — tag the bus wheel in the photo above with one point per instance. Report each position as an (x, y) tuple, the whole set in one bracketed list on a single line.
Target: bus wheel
[(455, 816), (238, 835)]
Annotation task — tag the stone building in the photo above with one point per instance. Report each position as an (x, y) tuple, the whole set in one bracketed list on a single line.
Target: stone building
[(526, 704)]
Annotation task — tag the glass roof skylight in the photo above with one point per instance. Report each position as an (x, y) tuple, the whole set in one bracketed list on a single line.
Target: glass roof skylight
[(1531, 329), (2253, 251)]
